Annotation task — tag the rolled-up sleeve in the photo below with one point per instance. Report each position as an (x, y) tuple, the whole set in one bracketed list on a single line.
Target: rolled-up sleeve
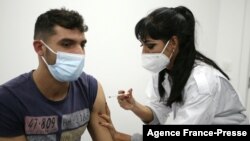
[(136, 137)]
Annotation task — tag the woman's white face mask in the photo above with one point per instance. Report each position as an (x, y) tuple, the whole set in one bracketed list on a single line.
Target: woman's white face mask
[(155, 62)]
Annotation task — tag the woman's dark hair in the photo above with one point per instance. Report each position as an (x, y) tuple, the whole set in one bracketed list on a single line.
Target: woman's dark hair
[(162, 24)]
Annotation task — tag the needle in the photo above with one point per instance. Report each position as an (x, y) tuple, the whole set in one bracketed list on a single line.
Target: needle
[(112, 96)]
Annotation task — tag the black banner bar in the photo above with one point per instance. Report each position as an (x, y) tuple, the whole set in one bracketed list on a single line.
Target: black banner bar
[(161, 132)]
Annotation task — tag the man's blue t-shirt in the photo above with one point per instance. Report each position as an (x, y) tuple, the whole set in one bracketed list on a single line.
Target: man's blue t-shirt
[(25, 111)]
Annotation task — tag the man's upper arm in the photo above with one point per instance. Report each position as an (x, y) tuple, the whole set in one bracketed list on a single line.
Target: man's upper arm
[(98, 132), (19, 138)]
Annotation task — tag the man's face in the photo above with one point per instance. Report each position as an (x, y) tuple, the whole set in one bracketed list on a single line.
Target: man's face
[(65, 40)]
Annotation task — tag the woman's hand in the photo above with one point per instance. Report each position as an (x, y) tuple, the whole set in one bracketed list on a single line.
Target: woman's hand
[(117, 136), (126, 100), (108, 122)]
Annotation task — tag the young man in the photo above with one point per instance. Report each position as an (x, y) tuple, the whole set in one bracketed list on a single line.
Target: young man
[(57, 101)]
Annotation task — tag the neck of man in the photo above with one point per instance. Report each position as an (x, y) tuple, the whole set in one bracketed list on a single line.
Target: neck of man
[(48, 85)]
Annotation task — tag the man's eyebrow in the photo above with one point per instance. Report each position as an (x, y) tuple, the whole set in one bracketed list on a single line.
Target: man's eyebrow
[(72, 40), (67, 39)]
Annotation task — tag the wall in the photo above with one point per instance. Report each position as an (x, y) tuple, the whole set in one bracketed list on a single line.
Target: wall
[(244, 73), (232, 52), (113, 53)]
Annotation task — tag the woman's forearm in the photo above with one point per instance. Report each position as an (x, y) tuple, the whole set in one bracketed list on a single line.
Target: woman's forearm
[(143, 112)]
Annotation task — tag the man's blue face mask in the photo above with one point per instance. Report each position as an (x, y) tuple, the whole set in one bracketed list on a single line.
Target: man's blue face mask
[(68, 66)]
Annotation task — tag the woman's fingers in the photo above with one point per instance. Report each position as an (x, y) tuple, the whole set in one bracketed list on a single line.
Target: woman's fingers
[(130, 91), (107, 109), (124, 96), (105, 117), (121, 92), (106, 124)]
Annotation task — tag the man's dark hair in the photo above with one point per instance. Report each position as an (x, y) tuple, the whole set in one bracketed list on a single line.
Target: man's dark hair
[(46, 22)]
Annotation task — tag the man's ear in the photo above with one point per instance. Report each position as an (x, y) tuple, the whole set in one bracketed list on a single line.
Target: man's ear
[(38, 47)]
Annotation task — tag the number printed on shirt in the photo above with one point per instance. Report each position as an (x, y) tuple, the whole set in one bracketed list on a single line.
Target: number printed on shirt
[(41, 125)]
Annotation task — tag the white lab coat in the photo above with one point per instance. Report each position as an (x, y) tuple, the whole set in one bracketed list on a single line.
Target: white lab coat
[(208, 98)]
